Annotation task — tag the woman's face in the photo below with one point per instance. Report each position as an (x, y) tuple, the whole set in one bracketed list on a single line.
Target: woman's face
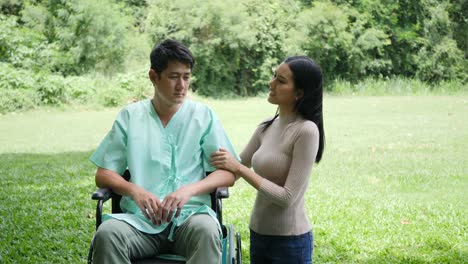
[(282, 91)]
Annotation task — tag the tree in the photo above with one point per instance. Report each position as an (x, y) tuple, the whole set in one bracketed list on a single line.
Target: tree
[(85, 34)]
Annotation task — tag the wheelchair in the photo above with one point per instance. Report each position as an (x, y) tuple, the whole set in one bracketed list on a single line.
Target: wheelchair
[(231, 252)]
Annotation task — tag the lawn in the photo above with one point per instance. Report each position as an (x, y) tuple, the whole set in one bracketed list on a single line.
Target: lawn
[(391, 187)]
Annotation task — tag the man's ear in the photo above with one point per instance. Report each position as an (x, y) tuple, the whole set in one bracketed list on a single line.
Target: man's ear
[(153, 76)]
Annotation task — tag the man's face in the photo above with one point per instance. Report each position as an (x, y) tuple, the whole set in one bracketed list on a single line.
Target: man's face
[(173, 83)]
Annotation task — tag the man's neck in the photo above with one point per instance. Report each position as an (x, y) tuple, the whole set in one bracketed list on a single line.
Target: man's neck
[(165, 111)]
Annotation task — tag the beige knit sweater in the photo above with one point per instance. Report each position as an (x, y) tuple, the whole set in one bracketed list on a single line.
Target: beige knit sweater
[(283, 155)]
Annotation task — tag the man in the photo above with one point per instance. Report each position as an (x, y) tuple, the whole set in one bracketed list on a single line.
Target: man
[(166, 143)]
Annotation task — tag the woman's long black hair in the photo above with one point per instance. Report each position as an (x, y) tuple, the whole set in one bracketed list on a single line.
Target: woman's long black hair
[(308, 78)]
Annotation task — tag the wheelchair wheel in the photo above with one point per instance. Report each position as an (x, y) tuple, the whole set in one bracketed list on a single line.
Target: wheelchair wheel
[(234, 249), (238, 248)]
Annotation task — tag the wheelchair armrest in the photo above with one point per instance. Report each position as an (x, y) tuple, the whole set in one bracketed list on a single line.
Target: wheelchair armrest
[(216, 202), (222, 192), (103, 194)]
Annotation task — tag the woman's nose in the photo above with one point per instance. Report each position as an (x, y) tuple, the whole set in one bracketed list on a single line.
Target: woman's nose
[(271, 83)]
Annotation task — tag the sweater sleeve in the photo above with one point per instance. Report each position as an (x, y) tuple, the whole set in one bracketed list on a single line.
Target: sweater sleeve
[(303, 157)]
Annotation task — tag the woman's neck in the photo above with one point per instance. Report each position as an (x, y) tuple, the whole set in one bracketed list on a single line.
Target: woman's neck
[(286, 117), (286, 111)]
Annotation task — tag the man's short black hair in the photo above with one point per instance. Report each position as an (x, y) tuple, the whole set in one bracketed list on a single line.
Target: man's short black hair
[(170, 50)]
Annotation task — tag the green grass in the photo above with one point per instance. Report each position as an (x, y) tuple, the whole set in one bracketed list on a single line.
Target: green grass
[(391, 188), (396, 86)]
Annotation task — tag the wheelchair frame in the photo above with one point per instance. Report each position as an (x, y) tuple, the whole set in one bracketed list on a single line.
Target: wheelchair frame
[(232, 244)]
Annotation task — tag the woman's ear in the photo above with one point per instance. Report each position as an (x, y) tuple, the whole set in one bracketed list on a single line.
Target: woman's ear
[(299, 94)]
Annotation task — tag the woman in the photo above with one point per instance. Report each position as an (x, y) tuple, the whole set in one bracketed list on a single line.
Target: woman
[(281, 152)]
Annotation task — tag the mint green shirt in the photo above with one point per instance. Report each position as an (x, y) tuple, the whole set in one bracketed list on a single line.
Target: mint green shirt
[(162, 159)]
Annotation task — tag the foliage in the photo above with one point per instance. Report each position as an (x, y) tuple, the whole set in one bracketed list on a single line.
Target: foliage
[(22, 47), (14, 100), (21, 90), (16, 90), (236, 43), (440, 58), (11, 7), (66, 37), (324, 37), (459, 18), (89, 34)]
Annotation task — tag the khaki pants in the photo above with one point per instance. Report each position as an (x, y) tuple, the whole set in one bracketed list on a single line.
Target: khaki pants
[(198, 240)]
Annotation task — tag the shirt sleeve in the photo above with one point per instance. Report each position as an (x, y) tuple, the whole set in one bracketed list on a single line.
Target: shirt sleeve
[(214, 138), (304, 153), (111, 153)]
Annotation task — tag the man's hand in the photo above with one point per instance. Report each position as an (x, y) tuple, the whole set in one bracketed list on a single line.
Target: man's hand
[(149, 204), (173, 203)]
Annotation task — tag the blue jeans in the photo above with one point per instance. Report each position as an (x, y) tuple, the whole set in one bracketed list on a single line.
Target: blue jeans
[(281, 249)]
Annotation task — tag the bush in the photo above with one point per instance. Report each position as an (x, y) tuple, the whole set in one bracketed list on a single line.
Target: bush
[(136, 85), (111, 96), (80, 89), (23, 89), (16, 90), (14, 100), (51, 89), (444, 61)]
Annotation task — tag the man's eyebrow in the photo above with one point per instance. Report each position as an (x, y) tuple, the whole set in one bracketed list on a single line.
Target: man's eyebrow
[(180, 73)]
